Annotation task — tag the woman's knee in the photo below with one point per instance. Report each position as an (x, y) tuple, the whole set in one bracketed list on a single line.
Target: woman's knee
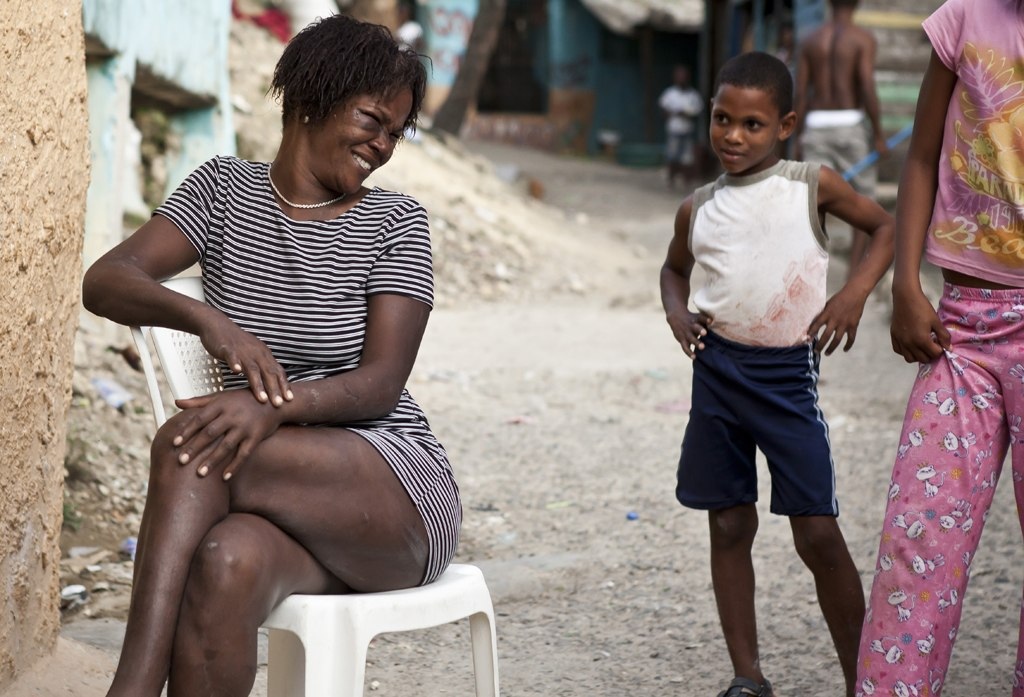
[(229, 558)]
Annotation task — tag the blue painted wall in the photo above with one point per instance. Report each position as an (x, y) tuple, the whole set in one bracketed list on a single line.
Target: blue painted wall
[(585, 55), (446, 27), (182, 41), (627, 92), (577, 53), (575, 44)]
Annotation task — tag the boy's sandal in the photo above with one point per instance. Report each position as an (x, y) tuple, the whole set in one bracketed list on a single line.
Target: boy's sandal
[(743, 687)]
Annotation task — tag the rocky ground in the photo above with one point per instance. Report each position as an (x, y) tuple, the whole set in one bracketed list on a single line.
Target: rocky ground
[(549, 373)]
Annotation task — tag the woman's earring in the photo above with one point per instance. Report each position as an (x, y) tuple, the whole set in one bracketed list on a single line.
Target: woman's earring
[(305, 119)]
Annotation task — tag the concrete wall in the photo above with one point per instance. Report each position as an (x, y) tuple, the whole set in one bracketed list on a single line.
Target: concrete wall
[(151, 32), (45, 169), (137, 55)]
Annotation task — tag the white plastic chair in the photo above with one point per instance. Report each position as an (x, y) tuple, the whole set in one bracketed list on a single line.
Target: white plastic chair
[(318, 643)]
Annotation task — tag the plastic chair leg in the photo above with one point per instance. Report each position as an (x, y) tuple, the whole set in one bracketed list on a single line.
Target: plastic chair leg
[(485, 654), (336, 664), (286, 666)]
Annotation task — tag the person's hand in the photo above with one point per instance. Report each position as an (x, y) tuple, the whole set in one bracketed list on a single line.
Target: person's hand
[(916, 331), (246, 355), (839, 318), (220, 430), (689, 328)]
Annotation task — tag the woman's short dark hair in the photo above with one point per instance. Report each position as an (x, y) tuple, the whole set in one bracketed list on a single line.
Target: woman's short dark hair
[(339, 57), (762, 71)]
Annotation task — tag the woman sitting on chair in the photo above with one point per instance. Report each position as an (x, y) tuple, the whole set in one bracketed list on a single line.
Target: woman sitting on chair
[(320, 474)]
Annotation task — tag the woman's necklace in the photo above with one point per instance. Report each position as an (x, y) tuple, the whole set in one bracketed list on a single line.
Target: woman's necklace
[(299, 205)]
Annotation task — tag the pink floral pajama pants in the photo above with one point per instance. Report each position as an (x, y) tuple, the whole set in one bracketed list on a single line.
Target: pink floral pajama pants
[(962, 416)]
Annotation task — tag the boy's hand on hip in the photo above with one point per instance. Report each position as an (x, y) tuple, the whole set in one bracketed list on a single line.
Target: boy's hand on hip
[(689, 328)]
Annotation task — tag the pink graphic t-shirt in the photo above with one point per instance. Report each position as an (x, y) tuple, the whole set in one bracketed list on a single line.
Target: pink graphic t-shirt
[(977, 225)]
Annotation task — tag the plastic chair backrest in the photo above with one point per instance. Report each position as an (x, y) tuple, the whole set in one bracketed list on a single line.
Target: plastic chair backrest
[(188, 369)]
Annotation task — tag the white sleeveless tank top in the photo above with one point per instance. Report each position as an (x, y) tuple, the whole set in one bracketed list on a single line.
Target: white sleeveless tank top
[(761, 243)]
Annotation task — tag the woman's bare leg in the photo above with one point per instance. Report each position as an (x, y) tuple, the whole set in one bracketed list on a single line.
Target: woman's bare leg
[(180, 510), (244, 567), (332, 492), (328, 489), (325, 489)]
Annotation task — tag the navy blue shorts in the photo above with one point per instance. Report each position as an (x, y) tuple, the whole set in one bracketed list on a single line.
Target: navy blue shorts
[(750, 397)]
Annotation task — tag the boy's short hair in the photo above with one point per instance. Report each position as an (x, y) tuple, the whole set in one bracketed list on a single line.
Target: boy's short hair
[(762, 71)]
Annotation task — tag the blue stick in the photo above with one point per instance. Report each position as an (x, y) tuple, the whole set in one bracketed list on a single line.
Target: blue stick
[(872, 157)]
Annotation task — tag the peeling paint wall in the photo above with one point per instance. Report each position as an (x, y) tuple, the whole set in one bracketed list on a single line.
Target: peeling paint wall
[(44, 167), (151, 33), (135, 52)]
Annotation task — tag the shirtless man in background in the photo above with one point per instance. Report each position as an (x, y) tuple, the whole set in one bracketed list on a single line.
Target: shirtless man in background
[(837, 106)]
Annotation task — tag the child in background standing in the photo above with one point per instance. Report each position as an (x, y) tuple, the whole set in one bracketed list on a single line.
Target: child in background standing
[(961, 205), (681, 104), (761, 322)]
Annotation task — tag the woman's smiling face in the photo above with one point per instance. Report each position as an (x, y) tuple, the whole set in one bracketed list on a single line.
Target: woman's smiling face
[(358, 138)]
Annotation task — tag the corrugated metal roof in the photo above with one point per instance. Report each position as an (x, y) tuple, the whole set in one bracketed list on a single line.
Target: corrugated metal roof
[(622, 16)]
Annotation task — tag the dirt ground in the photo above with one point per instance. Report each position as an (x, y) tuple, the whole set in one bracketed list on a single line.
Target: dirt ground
[(562, 413)]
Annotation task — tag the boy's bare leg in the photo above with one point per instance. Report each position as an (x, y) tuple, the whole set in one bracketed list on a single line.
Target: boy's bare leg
[(732, 576), (821, 546)]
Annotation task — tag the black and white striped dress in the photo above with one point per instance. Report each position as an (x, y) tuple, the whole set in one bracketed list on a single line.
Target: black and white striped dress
[(302, 287)]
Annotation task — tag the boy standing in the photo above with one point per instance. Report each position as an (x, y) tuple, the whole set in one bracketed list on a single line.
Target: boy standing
[(761, 323)]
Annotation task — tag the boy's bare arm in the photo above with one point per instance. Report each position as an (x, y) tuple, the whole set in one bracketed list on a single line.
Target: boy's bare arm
[(841, 314), (687, 327)]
